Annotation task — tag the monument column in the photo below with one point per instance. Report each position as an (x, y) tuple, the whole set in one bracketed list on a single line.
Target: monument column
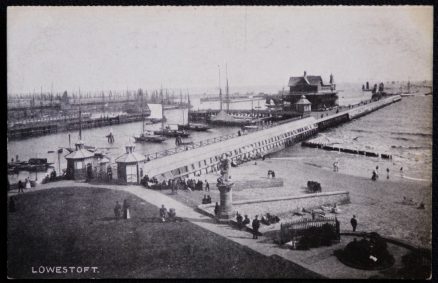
[(226, 210)]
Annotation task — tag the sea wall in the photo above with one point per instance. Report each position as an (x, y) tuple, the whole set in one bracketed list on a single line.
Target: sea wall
[(257, 183), (283, 204)]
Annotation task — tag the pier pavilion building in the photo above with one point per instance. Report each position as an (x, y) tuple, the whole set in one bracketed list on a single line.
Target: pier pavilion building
[(319, 94)]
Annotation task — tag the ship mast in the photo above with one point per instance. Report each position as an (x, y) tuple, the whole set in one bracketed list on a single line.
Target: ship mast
[(162, 116), (220, 90), (227, 90), (188, 107), (80, 116), (142, 115)]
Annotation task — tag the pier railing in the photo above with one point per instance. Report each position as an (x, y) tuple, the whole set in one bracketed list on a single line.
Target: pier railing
[(202, 143)]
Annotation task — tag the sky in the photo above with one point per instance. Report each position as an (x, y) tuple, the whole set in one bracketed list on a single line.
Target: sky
[(104, 48)]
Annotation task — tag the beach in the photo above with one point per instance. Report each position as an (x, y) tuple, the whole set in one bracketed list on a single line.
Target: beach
[(377, 204)]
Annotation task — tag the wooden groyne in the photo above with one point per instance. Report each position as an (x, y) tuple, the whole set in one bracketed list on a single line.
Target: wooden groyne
[(323, 146)]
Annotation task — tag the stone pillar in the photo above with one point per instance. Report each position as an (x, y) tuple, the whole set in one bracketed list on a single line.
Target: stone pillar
[(226, 211)]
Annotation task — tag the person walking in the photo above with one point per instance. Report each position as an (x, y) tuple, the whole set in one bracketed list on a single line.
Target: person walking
[(207, 186), (255, 227), (387, 173), (374, 176), (20, 187), (216, 209), (239, 219), (163, 213), (117, 210), (353, 222), (28, 186)]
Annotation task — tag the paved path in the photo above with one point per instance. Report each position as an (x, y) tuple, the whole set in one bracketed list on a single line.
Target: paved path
[(319, 260)]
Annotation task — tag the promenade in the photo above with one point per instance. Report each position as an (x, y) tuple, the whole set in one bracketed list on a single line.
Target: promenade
[(327, 264)]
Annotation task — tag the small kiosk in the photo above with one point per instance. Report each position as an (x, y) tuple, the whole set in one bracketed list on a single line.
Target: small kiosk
[(129, 166), (303, 106), (79, 161)]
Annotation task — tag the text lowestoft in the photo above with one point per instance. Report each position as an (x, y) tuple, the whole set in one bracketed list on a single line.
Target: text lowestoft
[(64, 269)]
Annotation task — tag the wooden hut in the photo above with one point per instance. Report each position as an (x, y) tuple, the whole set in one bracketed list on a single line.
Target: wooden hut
[(79, 161), (129, 166)]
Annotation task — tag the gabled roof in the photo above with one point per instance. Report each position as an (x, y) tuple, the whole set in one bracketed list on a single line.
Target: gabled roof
[(303, 100), (310, 80), (130, 157), (80, 154)]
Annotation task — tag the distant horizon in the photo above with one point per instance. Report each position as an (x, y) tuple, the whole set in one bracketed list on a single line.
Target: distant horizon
[(203, 90), (113, 47)]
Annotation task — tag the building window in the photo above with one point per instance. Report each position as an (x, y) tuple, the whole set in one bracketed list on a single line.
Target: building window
[(79, 165)]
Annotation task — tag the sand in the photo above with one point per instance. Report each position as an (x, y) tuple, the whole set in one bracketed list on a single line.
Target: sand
[(376, 204)]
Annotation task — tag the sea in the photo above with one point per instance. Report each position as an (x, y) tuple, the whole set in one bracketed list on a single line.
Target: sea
[(402, 129)]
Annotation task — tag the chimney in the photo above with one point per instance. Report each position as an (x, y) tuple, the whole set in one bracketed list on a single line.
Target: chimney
[(305, 74)]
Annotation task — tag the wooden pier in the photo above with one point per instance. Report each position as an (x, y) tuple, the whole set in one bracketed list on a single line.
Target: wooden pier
[(204, 158), (267, 115)]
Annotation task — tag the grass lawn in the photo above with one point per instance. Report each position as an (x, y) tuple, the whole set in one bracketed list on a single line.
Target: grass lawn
[(75, 227)]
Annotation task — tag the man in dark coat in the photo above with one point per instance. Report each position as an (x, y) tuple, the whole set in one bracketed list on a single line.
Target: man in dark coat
[(20, 186), (216, 210), (246, 221), (255, 227), (117, 210), (353, 222), (239, 219)]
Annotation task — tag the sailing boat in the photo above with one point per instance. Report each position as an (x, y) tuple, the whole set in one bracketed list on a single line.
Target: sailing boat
[(147, 136), (192, 126), (167, 131), (224, 118)]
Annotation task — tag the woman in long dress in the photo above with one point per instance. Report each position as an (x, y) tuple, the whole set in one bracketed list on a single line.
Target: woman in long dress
[(126, 212), (28, 186)]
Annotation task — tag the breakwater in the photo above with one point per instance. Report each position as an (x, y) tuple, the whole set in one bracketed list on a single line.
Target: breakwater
[(205, 159)]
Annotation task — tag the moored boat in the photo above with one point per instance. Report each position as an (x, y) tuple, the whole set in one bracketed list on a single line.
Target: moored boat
[(168, 132), (194, 127), (148, 136)]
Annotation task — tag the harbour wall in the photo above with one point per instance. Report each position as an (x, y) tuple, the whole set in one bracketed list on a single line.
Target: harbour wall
[(205, 159), (51, 126)]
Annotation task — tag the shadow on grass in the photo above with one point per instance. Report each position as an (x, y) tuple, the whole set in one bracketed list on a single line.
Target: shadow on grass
[(197, 220)]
